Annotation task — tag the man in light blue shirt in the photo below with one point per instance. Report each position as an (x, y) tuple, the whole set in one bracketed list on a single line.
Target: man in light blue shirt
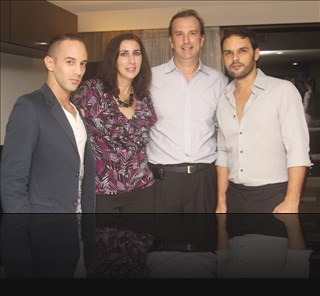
[(182, 145)]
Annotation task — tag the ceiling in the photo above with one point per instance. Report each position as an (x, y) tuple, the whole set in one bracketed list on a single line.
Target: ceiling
[(86, 6), (287, 56)]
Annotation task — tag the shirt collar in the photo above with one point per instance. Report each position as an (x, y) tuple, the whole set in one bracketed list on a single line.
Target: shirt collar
[(259, 83), (171, 66)]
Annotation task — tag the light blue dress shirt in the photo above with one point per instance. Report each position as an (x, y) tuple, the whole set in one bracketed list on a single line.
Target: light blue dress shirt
[(186, 110)]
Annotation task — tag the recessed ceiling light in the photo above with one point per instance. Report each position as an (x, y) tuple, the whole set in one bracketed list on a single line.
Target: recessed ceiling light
[(270, 52), (295, 64)]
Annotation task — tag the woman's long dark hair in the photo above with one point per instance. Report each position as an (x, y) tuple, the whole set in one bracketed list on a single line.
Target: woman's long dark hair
[(108, 69)]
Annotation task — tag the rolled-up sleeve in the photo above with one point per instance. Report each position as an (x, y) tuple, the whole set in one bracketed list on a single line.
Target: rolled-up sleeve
[(294, 127)]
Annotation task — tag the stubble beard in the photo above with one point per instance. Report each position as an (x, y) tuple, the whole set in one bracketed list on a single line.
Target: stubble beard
[(244, 73)]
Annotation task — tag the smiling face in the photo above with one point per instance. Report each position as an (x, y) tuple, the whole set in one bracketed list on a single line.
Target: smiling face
[(129, 60), (66, 66), (186, 39), (239, 57)]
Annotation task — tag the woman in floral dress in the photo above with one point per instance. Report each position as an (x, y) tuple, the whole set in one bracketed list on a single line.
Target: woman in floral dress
[(118, 111)]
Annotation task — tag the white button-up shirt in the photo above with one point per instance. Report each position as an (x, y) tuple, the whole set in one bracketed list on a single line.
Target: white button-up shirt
[(186, 112), (271, 136)]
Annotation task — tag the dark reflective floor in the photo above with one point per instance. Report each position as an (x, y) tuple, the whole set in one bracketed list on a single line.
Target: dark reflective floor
[(160, 246)]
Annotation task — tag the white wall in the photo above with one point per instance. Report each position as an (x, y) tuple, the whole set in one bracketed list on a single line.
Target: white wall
[(19, 75), (214, 13)]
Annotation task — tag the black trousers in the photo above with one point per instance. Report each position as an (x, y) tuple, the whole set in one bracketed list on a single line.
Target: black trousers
[(138, 201), (186, 193), (255, 199)]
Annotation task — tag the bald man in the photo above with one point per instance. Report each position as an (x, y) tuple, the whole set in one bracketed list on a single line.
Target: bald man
[(47, 163)]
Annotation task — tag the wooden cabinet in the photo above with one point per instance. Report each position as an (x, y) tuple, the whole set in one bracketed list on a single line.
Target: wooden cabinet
[(5, 20), (96, 42), (32, 24)]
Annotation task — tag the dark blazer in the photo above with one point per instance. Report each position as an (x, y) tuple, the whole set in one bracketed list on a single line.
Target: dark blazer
[(40, 159)]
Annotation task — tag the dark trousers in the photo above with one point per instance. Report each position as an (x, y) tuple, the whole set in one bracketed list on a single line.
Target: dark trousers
[(186, 193), (138, 201), (255, 199)]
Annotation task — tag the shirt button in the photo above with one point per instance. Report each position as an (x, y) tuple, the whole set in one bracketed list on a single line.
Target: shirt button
[(241, 151), (234, 116), (77, 175), (240, 133), (241, 170)]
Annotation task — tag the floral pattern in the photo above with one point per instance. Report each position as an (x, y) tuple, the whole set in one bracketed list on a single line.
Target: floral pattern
[(120, 253), (119, 143)]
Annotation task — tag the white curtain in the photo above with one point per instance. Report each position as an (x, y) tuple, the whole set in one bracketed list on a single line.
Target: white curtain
[(156, 42), (211, 53)]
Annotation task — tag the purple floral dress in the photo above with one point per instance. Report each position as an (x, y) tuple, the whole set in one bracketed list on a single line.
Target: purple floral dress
[(119, 143)]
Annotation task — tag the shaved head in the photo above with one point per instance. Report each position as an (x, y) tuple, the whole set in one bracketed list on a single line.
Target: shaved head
[(56, 41)]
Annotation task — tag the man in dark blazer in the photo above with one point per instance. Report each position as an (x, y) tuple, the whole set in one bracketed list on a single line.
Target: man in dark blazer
[(47, 163)]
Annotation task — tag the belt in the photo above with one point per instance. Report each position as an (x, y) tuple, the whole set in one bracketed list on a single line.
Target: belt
[(182, 247), (181, 168)]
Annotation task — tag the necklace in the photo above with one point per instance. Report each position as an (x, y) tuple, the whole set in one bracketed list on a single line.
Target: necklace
[(127, 102)]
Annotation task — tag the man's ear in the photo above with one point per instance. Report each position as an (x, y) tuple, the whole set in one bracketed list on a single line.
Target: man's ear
[(257, 54), (49, 62), (202, 40), (170, 41)]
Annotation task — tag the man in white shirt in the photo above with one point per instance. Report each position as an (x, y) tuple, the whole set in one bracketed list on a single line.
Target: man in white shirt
[(182, 145), (263, 139)]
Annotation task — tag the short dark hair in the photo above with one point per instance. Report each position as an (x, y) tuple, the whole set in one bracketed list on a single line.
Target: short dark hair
[(186, 13), (108, 69), (59, 38), (243, 33)]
